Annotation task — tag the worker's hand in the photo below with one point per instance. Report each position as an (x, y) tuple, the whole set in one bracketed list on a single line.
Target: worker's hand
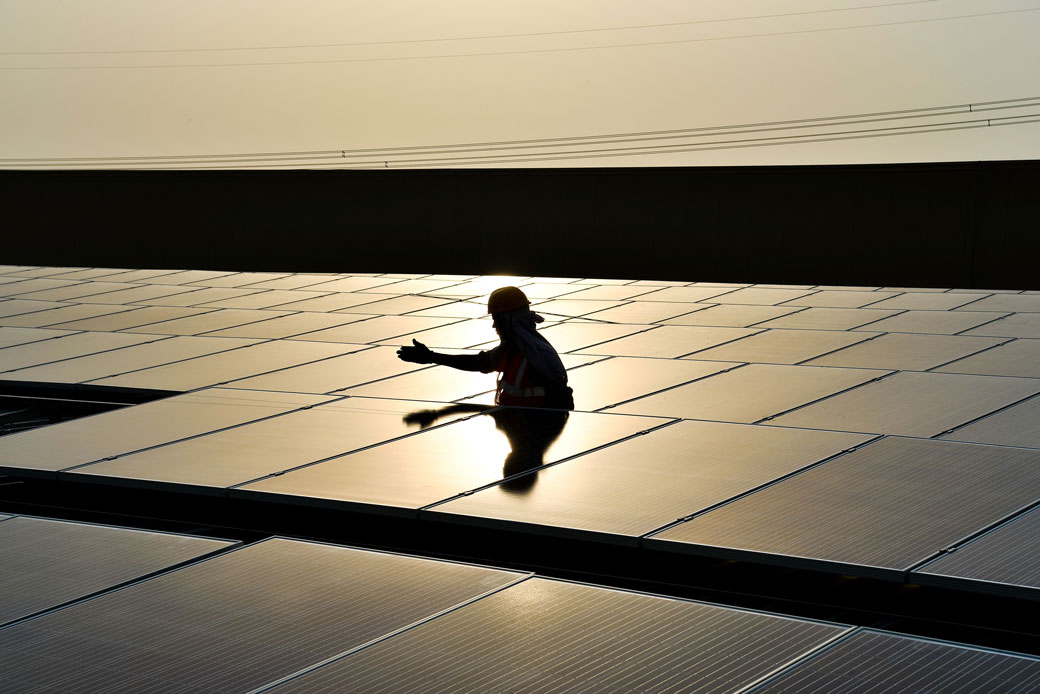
[(419, 354)]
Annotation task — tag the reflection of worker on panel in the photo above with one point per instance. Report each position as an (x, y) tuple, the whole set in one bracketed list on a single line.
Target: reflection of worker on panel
[(530, 371)]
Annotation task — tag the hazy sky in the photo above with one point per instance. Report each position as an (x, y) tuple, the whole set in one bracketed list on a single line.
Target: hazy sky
[(443, 73)]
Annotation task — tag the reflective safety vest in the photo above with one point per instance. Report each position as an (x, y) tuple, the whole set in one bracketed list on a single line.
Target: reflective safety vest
[(515, 386)]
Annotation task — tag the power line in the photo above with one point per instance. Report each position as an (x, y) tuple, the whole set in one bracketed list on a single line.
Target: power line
[(441, 162), (522, 52), (472, 38), (744, 128)]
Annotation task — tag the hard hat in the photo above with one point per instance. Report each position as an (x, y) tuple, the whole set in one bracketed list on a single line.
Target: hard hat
[(506, 299)]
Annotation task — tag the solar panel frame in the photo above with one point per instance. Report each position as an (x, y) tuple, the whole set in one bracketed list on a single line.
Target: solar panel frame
[(225, 636), (14, 336), (780, 346), (1014, 325), (209, 321), (1016, 357), (69, 554), (905, 351), (670, 341), (819, 318), (1010, 426), (131, 317), (18, 307), (863, 660), (62, 314), (553, 635), (732, 315), (71, 346)]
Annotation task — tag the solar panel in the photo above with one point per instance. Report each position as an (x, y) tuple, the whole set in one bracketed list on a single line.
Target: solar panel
[(217, 319), (1025, 303), (906, 351), (1013, 426), (829, 318), (223, 367), (619, 379), (645, 312), (411, 286), (200, 295), (778, 346), (840, 299), (67, 347), (877, 511), (1019, 357), (291, 325), (398, 305), (550, 636), (731, 315), (458, 334), (573, 307), (17, 307), (62, 314), (455, 309), (208, 464), (76, 291), (236, 621), (122, 319), (329, 302), (402, 476), (873, 661), (750, 393), (137, 294), (437, 383), (570, 337), (268, 298), (178, 276), (934, 322), (366, 364), (913, 404), (45, 563), (669, 341), (237, 279), (129, 429), (33, 285), (87, 274), (1015, 325), (376, 329), (761, 296), (95, 366), (1000, 561), (930, 301), (639, 485), (297, 281), (610, 292), (685, 294), (9, 337), (352, 284)]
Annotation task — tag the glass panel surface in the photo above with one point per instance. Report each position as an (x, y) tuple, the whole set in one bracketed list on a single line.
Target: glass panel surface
[(293, 281), (378, 328), (121, 318), (731, 315), (764, 297), (64, 314), (76, 345), (840, 299), (751, 393), (44, 563), (610, 292), (434, 465), (438, 383), (686, 294), (611, 381), (77, 290), (929, 301), (779, 346), (1014, 426), (913, 404), (1015, 325), (412, 286), (459, 334), (138, 294), (179, 276), (268, 298), (149, 276), (327, 375), (906, 351), (645, 312), (116, 432), (873, 661), (644, 483), (572, 307), (398, 305), (1017, 358), (234, 456), (669, 341), (201, 295), (10, 337), (237, 621), (228, 366), (568, 337), (238, 279), (291, 325), (329, 302), (829, 318), (890, 504), (1009, 555), (934, 322), (15, 307), (552, 636), (1021, 303), (128, 359), (217, 319), (455, 309), (353, 284), (33, 285)]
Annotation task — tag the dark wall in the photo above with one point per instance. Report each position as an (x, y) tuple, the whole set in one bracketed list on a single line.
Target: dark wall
[(950, 225)]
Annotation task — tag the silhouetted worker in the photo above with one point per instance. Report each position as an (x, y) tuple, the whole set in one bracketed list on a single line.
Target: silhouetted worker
[(530, 371)]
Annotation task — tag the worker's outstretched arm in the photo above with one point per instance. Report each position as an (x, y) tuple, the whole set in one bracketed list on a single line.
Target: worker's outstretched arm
[(421, 354)]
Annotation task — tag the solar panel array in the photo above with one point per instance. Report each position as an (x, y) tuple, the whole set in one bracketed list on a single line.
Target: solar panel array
[(286, 615), (875, 431)]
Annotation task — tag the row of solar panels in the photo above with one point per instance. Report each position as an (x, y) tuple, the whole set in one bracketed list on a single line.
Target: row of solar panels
[(889, 507), (88, 608)]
